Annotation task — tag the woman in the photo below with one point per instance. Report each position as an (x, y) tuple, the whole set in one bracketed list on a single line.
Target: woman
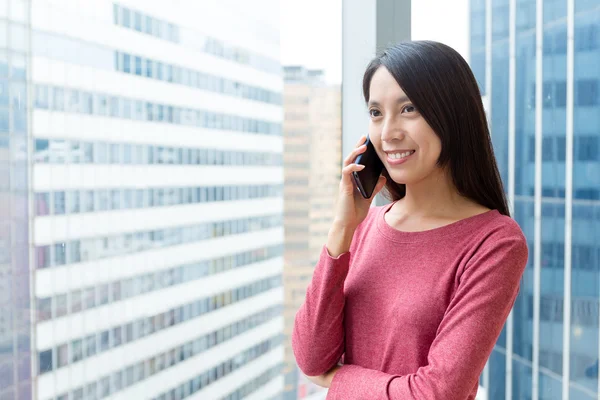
[(412, 296)]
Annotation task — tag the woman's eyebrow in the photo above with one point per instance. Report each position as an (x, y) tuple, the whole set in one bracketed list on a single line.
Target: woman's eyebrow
[(402, 99)]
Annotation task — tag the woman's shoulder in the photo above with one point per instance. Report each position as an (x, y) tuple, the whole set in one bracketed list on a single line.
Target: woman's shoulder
[(500, 231), (504, 225)]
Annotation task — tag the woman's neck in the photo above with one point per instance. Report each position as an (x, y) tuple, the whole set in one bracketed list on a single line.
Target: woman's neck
[(435, 197)]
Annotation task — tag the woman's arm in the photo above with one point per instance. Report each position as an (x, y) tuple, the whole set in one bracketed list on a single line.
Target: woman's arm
[(318, 334)]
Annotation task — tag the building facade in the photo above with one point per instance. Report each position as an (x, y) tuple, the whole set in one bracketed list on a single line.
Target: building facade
[(537, 66), (312, 159), (142, 200)]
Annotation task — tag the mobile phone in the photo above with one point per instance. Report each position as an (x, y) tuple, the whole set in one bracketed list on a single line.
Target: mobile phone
[(366, 180)]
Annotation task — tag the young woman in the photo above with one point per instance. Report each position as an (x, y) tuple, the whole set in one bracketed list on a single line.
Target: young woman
[(408, 299)]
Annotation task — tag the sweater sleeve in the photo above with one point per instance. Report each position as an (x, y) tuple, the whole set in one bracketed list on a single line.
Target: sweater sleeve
[(486, 292), (318, 334)]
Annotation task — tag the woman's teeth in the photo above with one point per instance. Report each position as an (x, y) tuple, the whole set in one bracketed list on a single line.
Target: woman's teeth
[(397, 156)]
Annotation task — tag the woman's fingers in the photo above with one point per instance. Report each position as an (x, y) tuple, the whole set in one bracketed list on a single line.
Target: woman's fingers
[(352, 156), (347, 183)]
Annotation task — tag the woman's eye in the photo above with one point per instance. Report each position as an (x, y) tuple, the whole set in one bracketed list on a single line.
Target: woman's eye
[(374, 113), (409, 108)]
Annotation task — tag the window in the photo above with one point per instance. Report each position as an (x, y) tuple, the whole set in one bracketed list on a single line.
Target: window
[(88, 153), (41, 96), (87, 203), (59, 203), (104, 387), (59, 254), (138, 65), (76, 304), (74, 252), (62, 356), (149, 69), (127, 198), (102, 200), (101, 153), (76, 350), (73, 202), (115, 199), (117, 379), (115, 153), (127, 150), (77, 394), (117, 336), (104, 341), (159, 71), (89, 295), (560, 94), (87, 103), (42, 204), (587, 148), (45, 361), (43, 256), (44, 308), (59, 99), (103, 294), (73, 101), (587, 194), (587, 92), (126, 17), (137, 21), (547, 94), (61, 305), (91, 391), (148, 25)]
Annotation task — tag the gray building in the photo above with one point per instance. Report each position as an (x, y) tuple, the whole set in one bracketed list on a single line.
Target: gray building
[(537, 64)]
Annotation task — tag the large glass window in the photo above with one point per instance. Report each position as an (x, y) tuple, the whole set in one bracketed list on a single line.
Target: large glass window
[(585, 255)]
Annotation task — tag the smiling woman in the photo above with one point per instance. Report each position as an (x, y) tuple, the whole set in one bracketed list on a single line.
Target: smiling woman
[(442, 109), (408, 299)]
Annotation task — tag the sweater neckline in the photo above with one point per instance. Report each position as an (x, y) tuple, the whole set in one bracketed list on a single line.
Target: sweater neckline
[(459, 227)]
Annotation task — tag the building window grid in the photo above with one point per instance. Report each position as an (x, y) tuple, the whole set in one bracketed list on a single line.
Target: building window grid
[(146, 24), (196, 79), (123, 198), (65, 304), (59, 151), (249, 387), (122, 108), (106, 247), (585, 95), (201, 381), (104, 341)]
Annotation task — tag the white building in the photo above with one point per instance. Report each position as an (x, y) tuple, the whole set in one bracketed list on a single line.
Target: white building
[(155, 198)]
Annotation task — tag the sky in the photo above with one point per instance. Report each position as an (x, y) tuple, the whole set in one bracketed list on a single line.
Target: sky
[(311, 30)]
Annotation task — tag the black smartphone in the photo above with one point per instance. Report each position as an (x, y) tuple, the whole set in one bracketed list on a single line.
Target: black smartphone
[(366, 180)]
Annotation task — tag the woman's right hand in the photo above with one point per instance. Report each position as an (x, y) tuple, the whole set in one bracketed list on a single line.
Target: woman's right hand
[(351, 207)]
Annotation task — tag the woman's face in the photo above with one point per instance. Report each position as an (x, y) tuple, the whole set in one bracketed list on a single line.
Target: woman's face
[(404, 141)]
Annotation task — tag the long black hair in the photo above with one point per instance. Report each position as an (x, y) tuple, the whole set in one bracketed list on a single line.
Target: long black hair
[(439, 82)]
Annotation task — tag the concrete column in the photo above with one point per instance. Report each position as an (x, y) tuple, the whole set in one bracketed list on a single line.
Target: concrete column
[(368, 27)]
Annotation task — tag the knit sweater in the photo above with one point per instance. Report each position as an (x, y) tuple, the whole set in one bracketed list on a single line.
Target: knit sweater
[(411, 315)]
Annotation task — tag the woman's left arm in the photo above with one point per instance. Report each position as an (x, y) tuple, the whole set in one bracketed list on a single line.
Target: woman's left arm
[(487, 290)]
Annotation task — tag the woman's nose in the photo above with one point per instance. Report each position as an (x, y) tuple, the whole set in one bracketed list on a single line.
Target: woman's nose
[(391, 131)]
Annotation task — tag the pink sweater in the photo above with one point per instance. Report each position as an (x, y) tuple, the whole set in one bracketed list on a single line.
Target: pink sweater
[(415, 315)]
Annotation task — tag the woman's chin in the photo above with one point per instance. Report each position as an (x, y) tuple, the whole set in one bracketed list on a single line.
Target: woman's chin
[(400, 179)]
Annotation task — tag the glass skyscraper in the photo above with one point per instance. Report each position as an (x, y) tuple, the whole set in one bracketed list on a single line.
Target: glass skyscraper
[(538, 67)]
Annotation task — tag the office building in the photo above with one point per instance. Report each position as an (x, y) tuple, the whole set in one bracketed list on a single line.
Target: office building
[(537, 66), (142, 200)]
